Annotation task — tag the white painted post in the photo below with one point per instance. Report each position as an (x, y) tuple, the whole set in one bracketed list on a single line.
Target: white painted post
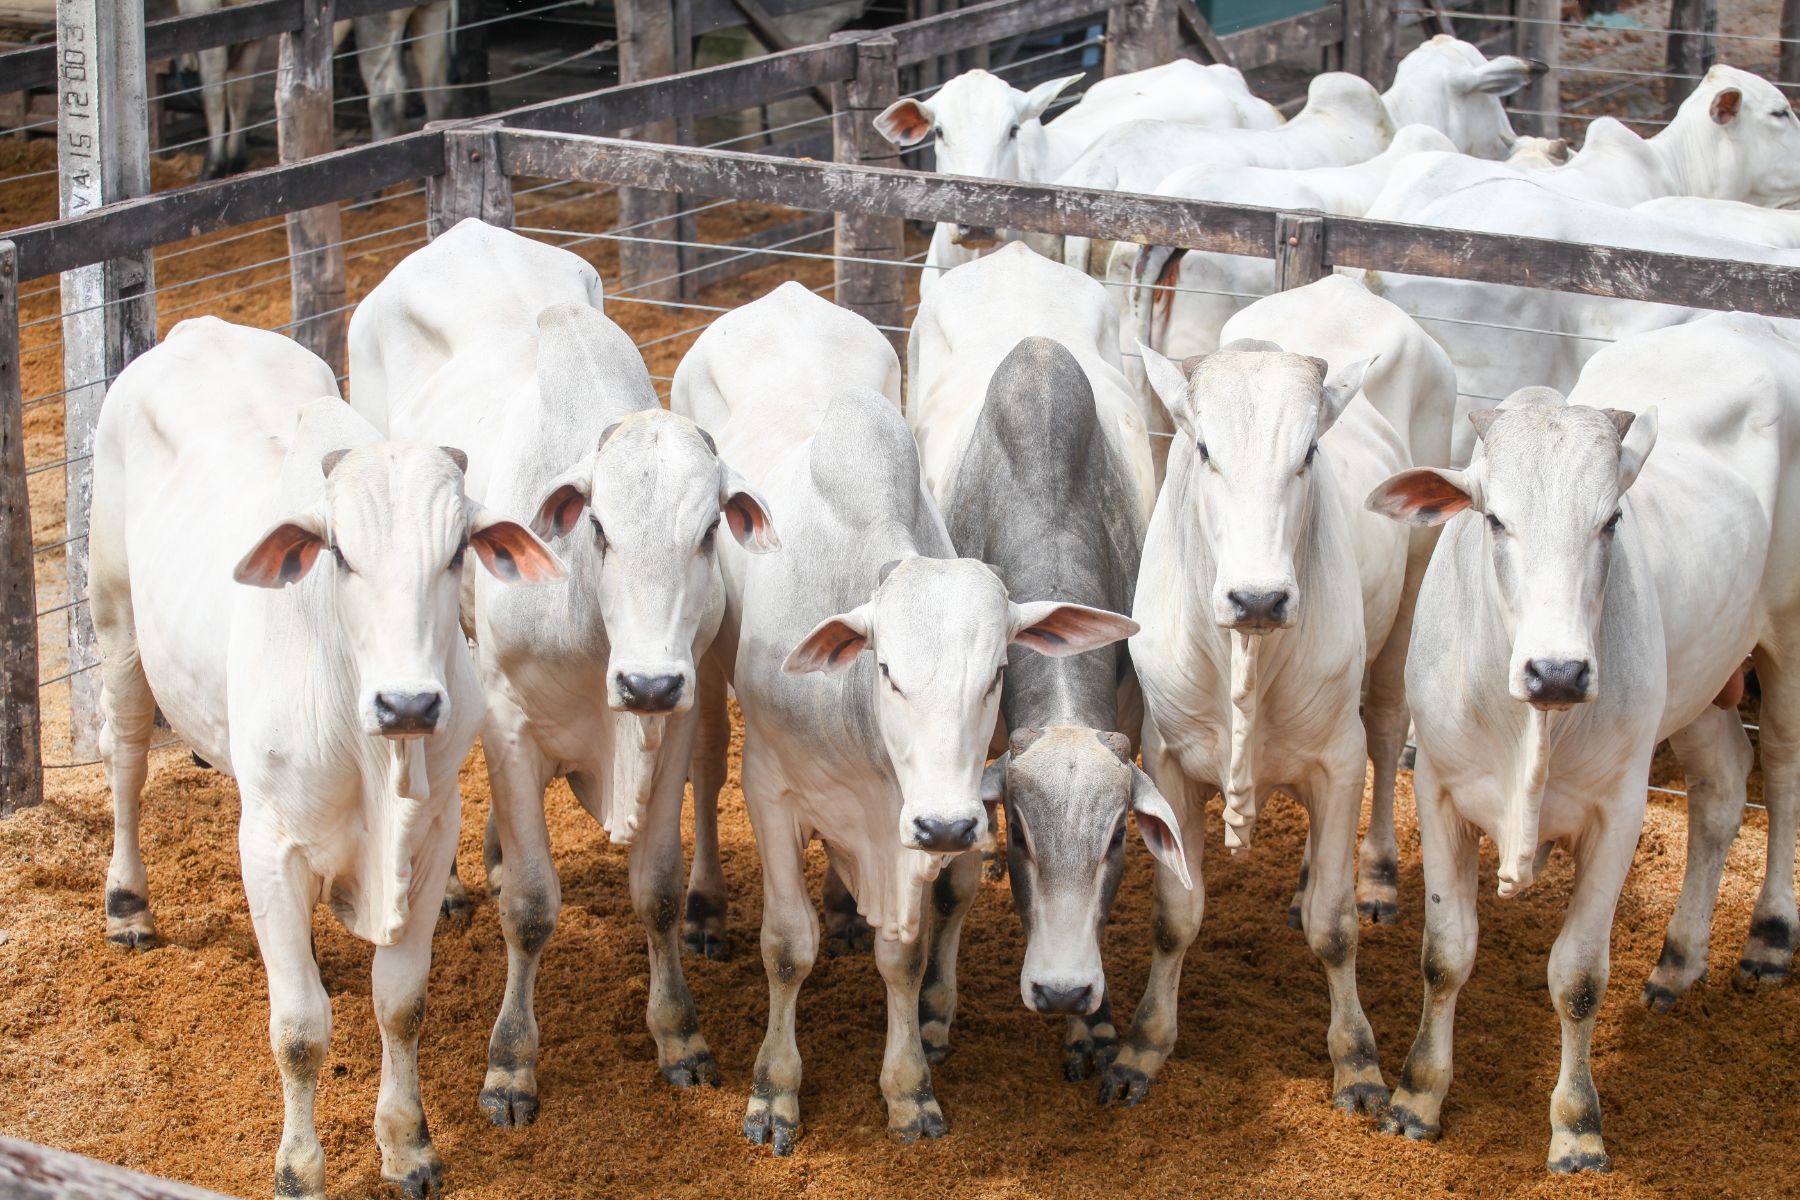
[(103, 154)]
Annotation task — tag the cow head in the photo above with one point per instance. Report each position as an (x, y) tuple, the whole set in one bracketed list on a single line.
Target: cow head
[(1736, 138), (1549, 486), (938, 630), (1253, 415), (652, 497), (1450, 85), (392, 527), (1068, 792), (985, 127)]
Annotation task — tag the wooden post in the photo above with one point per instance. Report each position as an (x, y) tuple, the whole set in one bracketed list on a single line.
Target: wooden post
[(46, 1173), (1369, 31), (1299, 250), (873, 290), (303, 110), (472, 184), (647, 51), (1693, 45), (1789, 71), (1540, 38), (1140, 34), (21, 776), (103, 156), (469, 60)]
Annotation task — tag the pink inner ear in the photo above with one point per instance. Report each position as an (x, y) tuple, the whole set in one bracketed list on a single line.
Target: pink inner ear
[(906, 122), (562, 510), (284, 556), (513, 556), (1425, 496)]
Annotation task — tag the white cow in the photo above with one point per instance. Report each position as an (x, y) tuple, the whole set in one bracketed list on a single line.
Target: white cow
[(496, 341), (1596, 599), (1775, 227), (988, 128), (1251, 659), (974, 318), (336, 687), (228, 75), (878, 754)]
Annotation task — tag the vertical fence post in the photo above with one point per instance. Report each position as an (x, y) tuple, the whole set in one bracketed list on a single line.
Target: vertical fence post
[(1540, 38), (650, 269), (21, 758), (472, 184), (1370, 27), (1790, 42), (303, 126), (1299, 250), (1140, 34), (874, 290), (103, 156), (1693, 45)]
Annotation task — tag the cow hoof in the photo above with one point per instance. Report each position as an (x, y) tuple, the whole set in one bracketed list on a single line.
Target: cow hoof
[(132, 938), (854, 938), (1379, 912), (695, 1069), (1123, 1085), (1083, 1058), (1368, 1098), (1409, 758), (1574, 1164), (930, 1123), (993, 867), (1294, 921), (1402, 1122), (1658, 999), (706, 944), (509, 1106), (200, 762), (936, 1051), (1752, 975), (213, 169), (764, 1128), (422, 1183), (456, 912)]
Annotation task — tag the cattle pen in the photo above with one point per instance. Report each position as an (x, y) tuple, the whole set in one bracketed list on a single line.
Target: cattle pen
[(688, 231)]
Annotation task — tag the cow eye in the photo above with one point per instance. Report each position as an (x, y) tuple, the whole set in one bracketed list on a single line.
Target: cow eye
[(1118, 838), (599, 532), (339, 555), (706, 539), (456, 560), (890, 679), (1311, 452), (1015, 831), (1612, 523), (1012, 133), (998, 676), (1205, 454), (1494, 524)]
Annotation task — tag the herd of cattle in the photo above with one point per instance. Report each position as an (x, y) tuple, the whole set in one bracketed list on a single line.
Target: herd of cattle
[(896, 595)]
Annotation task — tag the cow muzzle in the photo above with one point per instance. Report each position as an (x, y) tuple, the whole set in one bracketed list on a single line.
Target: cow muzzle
[(1068, 999), (650, 690), (1250, 610), (940, 835), (404, 713), (975, 237), (1554, 684)]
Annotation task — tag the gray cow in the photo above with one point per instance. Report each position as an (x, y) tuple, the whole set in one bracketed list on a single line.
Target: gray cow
[(1043, 498)]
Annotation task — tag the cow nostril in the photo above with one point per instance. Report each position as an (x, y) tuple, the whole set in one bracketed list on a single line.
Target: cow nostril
[(408, 712), (1558, 681), (1061, 999), (650, 693), (1259, 609), (944, 836)]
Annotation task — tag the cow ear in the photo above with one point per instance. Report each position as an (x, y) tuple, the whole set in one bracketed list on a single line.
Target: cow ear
[(1339, 389), (905, 122), (1022, 739), (1483, 420), (833, 644), (284, 554), (1057, 629), (1505, 75), (1156, 824), (563, 503), (1423, 496), (458, 457), (1634, 447), (510, 552), (1039, 98), (1725, 106), (746, 513), (1170, 383)]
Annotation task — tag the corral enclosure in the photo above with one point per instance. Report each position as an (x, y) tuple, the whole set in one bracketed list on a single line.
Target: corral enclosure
[(160, 1061)]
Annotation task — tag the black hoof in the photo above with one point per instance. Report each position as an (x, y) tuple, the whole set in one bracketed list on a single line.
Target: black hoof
[(200, 762), (925, 1125), (1081, 1060), (1402, 1123), (857, 939), (425, 1183), (1379, 912), (706, 944), (1409, 758), (1658, 999), (935, 1052), (1123, 1085), (1368, 1098), (1754, 975), (456, 912), (692, 1070), (1294, 921), (1574, 1164), (509, 1107), (132, 939), (777, 1133)]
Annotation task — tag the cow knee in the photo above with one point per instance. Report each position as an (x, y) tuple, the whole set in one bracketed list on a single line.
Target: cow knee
[(401, 1018), (299, 1040), (660, 911), (1578, 997), (1333, 940), (527, 916)]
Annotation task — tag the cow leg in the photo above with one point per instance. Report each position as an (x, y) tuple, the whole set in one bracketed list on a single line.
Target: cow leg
[(1175, 922), (1297, 905), (1769, 954), (703, 928), (1579, 964), (951, 894), (517, 777), (429, 28), (790, 943), (1090, 1043), (214, 65), (1450, 847), (490, 855), (280, 892), (408, 1159), (845, 930), (681, 1052), (1385, 719), (912, 1106), (128, 714), (383, 71), (1331, 929), (1716, 754), (239, 90)]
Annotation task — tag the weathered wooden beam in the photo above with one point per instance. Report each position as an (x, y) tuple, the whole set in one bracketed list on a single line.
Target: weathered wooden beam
[(1200, 29), (1299, 250), (472, 183), (33, 1172), (1789, 71), (304, 128), (1158, 220), (651, 270), (1540, 39), (874, 291), (762, 24), (1140, 34), (103, 156), (1693, 46), (932, 37), (21, 755), (1292, 38)]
